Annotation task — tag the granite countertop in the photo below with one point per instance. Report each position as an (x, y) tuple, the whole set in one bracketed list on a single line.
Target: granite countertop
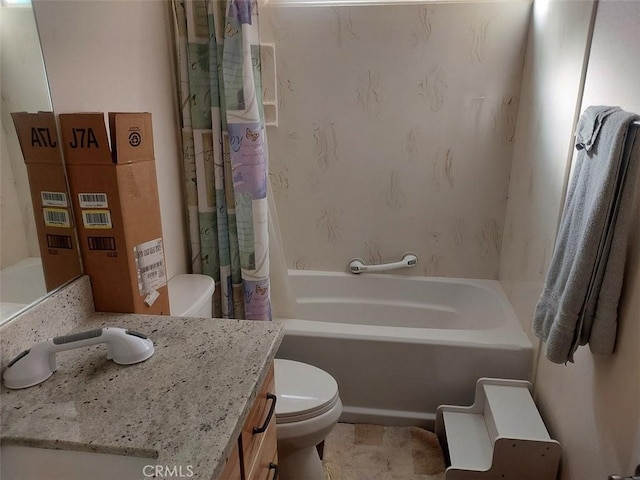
[(185, 405)]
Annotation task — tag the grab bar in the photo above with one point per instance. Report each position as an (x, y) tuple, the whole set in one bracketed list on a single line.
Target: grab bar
[(357, 265)]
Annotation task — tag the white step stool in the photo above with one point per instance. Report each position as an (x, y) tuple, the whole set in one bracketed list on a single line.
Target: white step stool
[(500, 436)]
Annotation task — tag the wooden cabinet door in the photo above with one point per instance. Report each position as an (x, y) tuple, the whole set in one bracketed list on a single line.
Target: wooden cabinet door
[(260, 424), (265, 464), (255, 454)]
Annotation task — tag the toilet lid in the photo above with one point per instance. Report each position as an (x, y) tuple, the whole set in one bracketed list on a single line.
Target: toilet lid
[(303, 391), (188, 292)]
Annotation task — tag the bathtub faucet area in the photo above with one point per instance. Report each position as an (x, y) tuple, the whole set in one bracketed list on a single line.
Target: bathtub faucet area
[(357, 265)]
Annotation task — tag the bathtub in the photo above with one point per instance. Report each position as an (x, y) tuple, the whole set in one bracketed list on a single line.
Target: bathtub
[(399, 346), (21, 284)]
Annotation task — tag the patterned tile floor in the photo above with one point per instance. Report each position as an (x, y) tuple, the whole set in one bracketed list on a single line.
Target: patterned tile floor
[(376, 452)]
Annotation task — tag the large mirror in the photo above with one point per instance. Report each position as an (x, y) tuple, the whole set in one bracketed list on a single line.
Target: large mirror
[(25, 244)]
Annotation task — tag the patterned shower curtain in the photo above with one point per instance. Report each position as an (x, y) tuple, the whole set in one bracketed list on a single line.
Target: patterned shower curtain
[(225, 151)]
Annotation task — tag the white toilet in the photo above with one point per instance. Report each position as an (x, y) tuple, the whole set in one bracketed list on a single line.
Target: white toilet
[(307, 409), (191, 295), (308, 405)]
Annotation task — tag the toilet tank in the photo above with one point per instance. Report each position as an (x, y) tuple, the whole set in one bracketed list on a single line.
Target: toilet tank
[(191, 295)]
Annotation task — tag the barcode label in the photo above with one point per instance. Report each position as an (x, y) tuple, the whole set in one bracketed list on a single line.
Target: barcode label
[(153, 266), (101, 243), (54, 199), (149, 257), (96, 219), (56, 217), (59, 241), (93, 200)]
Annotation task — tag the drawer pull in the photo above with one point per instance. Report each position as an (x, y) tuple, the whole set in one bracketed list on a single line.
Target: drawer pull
[(274, 467), (263, 428)]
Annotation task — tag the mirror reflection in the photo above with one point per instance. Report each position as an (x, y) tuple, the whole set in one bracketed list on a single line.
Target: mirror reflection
[(25, 235)]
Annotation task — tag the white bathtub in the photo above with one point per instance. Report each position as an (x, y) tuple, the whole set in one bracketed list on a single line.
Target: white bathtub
[(400, 346), (21, 284)]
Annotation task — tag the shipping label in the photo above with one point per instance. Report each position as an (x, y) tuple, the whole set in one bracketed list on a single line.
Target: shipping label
[(54, 199), (150, 267), (93, 200), (56, 217), (96, 219)]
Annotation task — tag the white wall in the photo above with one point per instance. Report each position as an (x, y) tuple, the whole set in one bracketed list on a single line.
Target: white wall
[(590, 406), (23, 85), (551, 88), (395, 132), (593, 406), (104, 56), (13, 242)]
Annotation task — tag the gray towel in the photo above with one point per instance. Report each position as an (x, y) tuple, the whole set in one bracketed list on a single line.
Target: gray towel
[(582, 288), (590, 124), (601, 331)]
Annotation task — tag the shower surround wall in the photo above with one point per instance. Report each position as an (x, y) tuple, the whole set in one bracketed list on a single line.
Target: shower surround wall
[(396, 129), (591, 405), (553, 74)]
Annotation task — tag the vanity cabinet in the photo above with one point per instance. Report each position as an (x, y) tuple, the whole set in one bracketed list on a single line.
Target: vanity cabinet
[(232, 466), (255, 456)]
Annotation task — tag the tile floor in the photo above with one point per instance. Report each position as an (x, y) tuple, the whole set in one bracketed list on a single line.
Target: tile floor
[(376, 452)]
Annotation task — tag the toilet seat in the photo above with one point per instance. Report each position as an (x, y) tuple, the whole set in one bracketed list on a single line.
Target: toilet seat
[(303, 391)]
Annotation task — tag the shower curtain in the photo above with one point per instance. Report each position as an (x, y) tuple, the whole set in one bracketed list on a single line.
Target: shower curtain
[(225, 151)]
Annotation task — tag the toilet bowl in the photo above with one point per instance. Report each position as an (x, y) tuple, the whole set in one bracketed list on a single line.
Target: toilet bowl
[(307, 409), (191, 295)]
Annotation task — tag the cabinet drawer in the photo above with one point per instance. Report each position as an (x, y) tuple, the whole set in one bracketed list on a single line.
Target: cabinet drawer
[(265, 464), (262, 415)]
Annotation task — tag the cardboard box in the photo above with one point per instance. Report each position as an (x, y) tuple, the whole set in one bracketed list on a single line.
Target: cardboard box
[(115, 201), (38, 139)]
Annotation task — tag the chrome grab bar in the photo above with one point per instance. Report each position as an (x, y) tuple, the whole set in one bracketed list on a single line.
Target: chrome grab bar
[(357, 265)]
